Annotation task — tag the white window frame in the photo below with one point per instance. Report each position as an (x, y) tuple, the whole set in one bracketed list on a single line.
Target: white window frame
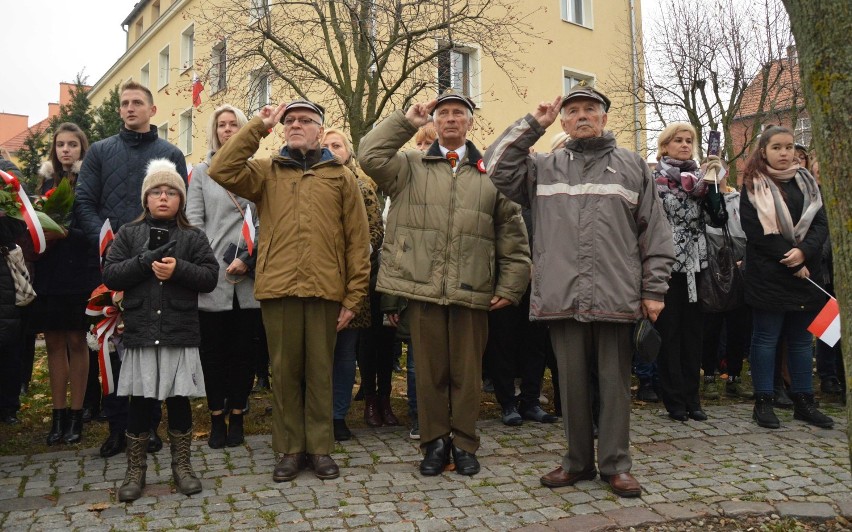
[(257, 10), (163, 131), (163, 70), (577, 12), (573, 75), (218, 51), (145, 75), (458, 55), (187, 47), (258, 89), (185, 125), (803, 132)]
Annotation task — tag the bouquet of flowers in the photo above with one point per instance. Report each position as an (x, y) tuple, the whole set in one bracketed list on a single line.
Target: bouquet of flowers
[(105, 332), (53, 210)]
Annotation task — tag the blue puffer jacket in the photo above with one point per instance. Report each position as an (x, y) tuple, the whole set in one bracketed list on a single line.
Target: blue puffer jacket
[(110, 181)]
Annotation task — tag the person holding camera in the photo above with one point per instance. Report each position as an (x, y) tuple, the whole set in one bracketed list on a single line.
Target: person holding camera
[(229, 315), (161, 263)]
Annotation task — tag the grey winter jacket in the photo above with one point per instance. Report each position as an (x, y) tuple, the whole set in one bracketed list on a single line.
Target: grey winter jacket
[(110, 181), (160, 312), (602, 242), (209, 207)]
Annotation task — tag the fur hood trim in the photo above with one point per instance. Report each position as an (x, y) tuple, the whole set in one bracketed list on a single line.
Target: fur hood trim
[(46, 169)]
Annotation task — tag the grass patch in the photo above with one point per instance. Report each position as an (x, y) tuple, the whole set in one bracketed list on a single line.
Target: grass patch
[(268, 516)]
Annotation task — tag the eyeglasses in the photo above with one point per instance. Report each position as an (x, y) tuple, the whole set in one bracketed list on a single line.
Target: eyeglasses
[(303, 121), (169, 192)]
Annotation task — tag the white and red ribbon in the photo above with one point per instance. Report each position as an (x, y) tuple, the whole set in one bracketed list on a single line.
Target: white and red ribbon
[(104, 238), (103, 331), (28, 212)]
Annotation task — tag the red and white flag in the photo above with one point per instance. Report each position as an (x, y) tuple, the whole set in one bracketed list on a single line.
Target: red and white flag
[(188, 173), (27, 212), (197, 87), (826, 326), (104, 239), (248, 230)]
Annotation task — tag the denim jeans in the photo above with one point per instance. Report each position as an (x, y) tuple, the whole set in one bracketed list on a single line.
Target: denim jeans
[(343, 372), (412, 383), (769, 326)]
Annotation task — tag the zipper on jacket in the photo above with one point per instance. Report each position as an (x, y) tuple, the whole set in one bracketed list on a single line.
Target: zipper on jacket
[(448, 251)]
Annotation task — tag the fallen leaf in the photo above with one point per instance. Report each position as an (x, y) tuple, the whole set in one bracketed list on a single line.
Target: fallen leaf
[(99, 507)]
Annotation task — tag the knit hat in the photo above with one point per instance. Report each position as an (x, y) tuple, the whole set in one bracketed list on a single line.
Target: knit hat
[(163, 172)]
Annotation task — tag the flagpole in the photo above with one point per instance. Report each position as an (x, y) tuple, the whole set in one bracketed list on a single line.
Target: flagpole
[(239, 239), (821, 288)]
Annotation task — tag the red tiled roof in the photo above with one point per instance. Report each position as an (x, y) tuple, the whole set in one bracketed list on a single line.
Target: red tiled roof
[(16, 143), (784, 87)]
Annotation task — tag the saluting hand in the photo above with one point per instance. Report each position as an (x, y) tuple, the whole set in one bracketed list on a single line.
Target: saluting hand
[(546, 112), (419, 113), (271, 114)]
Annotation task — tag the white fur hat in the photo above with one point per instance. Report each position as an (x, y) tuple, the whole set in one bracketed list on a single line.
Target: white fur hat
[(163, 172)]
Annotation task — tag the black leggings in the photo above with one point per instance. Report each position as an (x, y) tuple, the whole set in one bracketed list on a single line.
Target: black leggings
[(139, 414)]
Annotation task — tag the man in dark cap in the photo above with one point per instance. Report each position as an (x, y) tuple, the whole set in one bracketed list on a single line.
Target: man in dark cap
[(456, 248), (312, 271), (602, 254)]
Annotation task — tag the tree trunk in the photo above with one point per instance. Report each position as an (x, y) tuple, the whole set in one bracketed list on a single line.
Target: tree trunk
[(822, 29)]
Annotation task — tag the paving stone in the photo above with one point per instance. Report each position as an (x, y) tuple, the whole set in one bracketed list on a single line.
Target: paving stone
[(811, 510), (582, 523), (735, 508), (24, 503)]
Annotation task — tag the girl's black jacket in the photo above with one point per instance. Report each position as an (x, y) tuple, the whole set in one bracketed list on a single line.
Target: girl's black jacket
[(160, 312)]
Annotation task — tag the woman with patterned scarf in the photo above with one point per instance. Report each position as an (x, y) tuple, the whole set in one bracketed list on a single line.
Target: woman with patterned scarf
[(683, 190), (785, 224)]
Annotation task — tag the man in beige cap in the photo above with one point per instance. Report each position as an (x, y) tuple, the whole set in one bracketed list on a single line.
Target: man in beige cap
[(602, 258), (312, 273), (456, 248)]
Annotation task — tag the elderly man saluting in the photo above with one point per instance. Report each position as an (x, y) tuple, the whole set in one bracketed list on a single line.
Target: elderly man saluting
[(312, 271), (456, 248), (602, 258)]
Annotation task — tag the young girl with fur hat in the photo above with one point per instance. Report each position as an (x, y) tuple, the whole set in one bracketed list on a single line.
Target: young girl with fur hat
[(161, 331)]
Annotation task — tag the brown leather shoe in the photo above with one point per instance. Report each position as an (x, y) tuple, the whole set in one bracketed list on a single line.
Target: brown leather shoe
[(372, 415), (623, 484), (288, 467), (559, 478), (324, 466)]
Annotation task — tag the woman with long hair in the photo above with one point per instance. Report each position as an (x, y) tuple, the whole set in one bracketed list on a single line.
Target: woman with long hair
[(785, 225), (64, 278)]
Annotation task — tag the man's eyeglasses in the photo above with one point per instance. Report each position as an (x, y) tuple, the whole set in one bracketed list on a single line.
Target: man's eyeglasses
[(169, 192), (303, 121)]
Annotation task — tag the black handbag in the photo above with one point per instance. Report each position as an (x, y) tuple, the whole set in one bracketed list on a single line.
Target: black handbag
[(721, 286)]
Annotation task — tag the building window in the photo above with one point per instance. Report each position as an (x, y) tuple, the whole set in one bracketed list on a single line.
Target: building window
[(139, 28), (259, 90), (572, 77), (185, 132), (187, 47), (163, 79), (219, 68), (145, 75), (155, 10), (458, 69), (163, 131), (803, 131), (258, 9), (577, 12)]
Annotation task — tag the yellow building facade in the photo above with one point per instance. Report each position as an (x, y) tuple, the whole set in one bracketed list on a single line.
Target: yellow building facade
[(169, 43)]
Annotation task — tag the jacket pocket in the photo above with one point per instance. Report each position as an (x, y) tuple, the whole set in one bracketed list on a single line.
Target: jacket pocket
[(131, 304), (476, 264), (183, 304), (414, 254)]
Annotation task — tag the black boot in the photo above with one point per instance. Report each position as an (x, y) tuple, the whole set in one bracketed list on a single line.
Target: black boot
[(74, 432), (764, 414), (218, 431), (235, 430), (805, 410), (437, 457), (57, 427)]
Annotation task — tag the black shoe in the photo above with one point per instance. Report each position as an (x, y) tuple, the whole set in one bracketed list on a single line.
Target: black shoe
[(10, 418), (647, 394), (396, 367), (511, 417), (697, 414), (114, 444), (763, 413), (536, 413), (101, 417), (466, 463), (89, 414), (74, 432), (57, 427), (218, 431), (831, 386), (155, 444), (436, 459), (341, 431), (235, 430), (781, 399), (678, 415), (805, 410)]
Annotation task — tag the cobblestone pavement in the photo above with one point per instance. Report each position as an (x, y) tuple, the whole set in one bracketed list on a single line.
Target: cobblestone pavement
[(725, 466)]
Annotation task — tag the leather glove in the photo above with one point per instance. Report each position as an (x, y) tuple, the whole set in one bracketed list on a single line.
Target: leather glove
[(712, 169), (147, 258)]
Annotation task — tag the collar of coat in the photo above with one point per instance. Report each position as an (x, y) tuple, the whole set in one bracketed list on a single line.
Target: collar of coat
[(285, 158), (605, 143), (135, 138), (472, 156)]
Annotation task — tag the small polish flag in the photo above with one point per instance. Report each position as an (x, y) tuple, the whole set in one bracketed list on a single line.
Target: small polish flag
[(248, 231), (826, 326), (104, 239), (188, 173), (197, 87)]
